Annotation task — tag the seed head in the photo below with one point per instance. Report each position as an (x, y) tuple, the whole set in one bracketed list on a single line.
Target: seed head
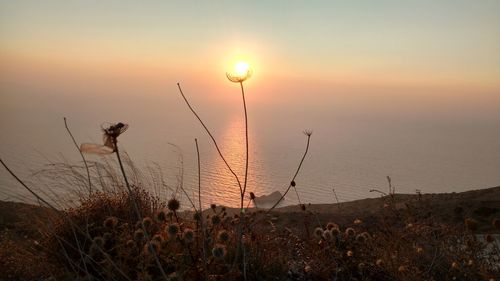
[(173, 229), (110, 222), (147, 222), (173, 204), (380, 262), (471, 224), (215, 220), (158, 238), (161, 216), (99, 241), (252, 196), (496, 223), (349, 232), (331, 225), (490, 238), (318, 232), (213, 206), (188, 235), (223, 236), (327, 234), (219, 251), (130, 244), (402, 268), (335, 231), (138, 235), (293, 183)]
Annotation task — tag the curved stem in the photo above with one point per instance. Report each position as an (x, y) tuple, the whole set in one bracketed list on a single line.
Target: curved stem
[(211, 136), (246, 146), (81, 154), (138, 213), (295, 175)]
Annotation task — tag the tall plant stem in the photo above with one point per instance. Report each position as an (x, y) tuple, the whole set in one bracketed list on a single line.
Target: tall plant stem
[(201, 212), (308, 134), (81, 154), (211, 136), (246, 146), (138, 213)]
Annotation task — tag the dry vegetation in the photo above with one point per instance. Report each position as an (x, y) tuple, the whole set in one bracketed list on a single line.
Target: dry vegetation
[(388, 243)]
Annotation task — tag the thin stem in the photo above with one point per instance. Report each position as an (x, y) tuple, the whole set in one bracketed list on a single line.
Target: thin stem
[(81, 154), (138, 213), (296, 173), (246, 146), (201, 210), (212, 137)]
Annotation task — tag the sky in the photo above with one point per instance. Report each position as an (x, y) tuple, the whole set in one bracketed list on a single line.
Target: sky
[(361, 69), (451, 43)]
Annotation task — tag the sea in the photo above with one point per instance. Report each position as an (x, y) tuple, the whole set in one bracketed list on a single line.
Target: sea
[(424, 144)]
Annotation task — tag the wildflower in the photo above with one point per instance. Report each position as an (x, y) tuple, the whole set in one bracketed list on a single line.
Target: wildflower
[(147, 222), (241, 73), (335, 231), (380, 262), (196, 216), (307, 269), (489, 238), (349, 232), (99, 241), (361, 266), (138, 234), (358, 221), (470, 263), (223, 236), (107, 236), (151, 248), (215, 220), (350, 253), (161, 216), (130, 244), (419, 250), (471, 224), (173, 277), (454, 265), (158, 238), (110, 222), (496, 223), (188, 235), (327, 234), (110, 135), (402, 268), (331, 225), (173, 229), (219, 251), (318, 232), (360, 238), (173, 204)]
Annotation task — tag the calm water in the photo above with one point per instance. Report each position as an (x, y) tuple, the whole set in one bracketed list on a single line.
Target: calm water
[(421, 146)]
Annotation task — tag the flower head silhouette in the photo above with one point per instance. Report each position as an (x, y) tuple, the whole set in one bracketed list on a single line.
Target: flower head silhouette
[(110, 135)]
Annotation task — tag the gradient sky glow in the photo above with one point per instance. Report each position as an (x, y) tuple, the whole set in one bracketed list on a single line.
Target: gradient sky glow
[(407, 88), (447, 42)]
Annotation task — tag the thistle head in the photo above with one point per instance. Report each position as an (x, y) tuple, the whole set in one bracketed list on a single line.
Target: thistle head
[(188, 235), (219, 251), (173, 204)]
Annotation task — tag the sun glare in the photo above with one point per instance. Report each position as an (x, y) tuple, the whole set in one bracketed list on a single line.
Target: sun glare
[(241, 68)]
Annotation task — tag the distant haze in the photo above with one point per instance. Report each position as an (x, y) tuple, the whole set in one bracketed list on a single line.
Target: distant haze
[(409, 89)]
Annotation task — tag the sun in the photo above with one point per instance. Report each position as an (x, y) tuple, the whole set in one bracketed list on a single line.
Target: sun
[(240, 72), (241, 68)]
